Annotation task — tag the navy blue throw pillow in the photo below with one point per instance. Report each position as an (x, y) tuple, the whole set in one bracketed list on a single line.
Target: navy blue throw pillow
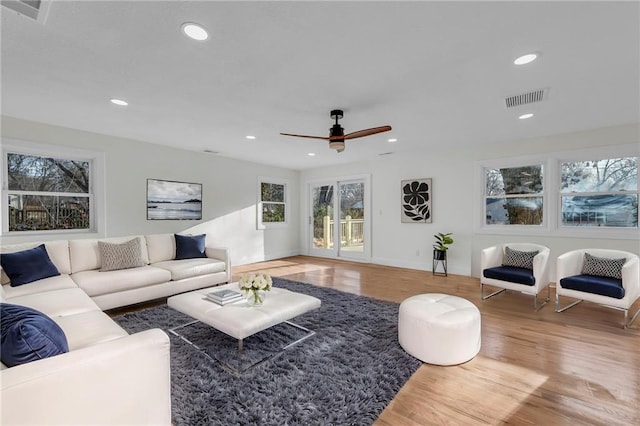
[(24, 267), (28, 335), (190, 246)]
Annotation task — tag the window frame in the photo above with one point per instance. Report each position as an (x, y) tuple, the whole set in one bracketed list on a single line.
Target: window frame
[(505, 196), (596, 231), (96, 184), (481, 222), (260, 202), (552, 207)]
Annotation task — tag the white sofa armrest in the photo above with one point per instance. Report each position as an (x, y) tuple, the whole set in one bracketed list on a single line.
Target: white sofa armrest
[(123, 381), (220, 253)]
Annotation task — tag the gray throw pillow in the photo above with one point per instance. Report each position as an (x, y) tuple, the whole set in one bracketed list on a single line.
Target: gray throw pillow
[(120, 256), (602, 267), (518, 259)]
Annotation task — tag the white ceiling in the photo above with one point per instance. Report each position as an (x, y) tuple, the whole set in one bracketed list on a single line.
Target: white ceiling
[(438, 72)]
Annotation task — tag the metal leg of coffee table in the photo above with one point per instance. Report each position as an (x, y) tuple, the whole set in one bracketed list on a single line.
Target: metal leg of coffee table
[(175, 333), (230, 369), (306, 336)]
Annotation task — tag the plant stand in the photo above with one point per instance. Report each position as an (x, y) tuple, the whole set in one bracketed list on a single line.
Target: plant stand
[(439, 259)]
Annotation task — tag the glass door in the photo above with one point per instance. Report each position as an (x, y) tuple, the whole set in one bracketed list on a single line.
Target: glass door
[(338, 219), (352, 218), (321, 220)]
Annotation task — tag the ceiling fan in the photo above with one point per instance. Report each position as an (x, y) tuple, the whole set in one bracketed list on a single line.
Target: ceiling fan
[(337, 137)]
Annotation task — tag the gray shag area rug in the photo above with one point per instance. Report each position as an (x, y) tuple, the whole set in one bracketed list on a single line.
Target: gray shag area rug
[(345, 374)]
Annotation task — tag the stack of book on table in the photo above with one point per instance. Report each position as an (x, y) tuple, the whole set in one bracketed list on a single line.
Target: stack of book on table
[(222, 297)]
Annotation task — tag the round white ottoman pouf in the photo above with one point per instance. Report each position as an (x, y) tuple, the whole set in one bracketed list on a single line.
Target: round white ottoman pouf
[(439, 328)]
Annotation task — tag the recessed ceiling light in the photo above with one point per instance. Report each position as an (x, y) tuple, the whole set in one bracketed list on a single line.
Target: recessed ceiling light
[(250, 137), (525, 116), (392, 140), (119, 102), (525, 59), (311, 154), (194, 31)]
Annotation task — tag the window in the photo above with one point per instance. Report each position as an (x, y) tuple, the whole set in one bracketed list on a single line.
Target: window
[(588, 193), (272, 208), (600, 193), (514, 195), (44, 192)]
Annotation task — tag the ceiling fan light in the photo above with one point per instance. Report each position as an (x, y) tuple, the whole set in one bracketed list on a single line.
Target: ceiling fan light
[(336, 145)]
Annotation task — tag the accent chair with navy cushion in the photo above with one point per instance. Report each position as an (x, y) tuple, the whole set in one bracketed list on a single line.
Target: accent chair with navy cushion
[(607, 277), (520, 267)]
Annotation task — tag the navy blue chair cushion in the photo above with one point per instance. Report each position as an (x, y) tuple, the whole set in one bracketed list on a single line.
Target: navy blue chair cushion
[(510, 274), (605, 286), (28, 335), (190, 246), (27, 266)]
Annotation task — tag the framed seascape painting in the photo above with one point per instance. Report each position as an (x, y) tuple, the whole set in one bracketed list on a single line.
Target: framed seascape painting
[(169, 200), (416, 201)]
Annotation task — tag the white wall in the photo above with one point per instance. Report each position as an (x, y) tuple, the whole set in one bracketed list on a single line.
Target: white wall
[(229, 191), (409, 245), (454, 195)]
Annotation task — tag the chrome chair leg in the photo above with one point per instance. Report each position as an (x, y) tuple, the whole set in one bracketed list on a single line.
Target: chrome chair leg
[(628, 324), (536, 308), (483, 297), (559, 309)]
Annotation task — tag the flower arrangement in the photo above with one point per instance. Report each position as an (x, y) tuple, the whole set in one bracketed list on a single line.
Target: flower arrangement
[(254, 286)]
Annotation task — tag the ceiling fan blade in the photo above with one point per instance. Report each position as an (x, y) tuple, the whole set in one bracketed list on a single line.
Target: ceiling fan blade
[(367, 132), (324, 138)]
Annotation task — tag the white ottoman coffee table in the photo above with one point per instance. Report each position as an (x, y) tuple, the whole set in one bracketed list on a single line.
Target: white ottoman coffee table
[(239, 320), (439, 329)]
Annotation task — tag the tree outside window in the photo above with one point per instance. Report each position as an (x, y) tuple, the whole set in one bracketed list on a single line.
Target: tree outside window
[(273, 202), (46, 193), (514, 195), (600, 193)]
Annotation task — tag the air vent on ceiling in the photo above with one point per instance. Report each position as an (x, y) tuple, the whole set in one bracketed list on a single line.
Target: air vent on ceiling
[(34, 9), (526, 98)]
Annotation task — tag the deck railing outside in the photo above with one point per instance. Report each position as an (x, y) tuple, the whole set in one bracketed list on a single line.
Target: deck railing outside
[(351, 232)]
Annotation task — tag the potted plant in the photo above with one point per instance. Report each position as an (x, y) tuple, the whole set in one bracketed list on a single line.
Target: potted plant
[(440, 247)]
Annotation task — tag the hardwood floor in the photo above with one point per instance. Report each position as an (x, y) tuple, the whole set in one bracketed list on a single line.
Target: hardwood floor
[(579, 367)]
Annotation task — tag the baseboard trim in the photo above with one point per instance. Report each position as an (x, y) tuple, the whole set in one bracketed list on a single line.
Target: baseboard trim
[(418, 265)]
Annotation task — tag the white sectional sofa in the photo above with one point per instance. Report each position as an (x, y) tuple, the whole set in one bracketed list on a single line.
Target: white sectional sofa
[(107, 376)]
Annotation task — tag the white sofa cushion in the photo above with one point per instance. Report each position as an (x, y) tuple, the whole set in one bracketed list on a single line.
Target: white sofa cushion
[(57, 303), (89, 328), (85, 255), (58, 282), (58, 252), (187, 268), (96, 283), (161, 247)]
